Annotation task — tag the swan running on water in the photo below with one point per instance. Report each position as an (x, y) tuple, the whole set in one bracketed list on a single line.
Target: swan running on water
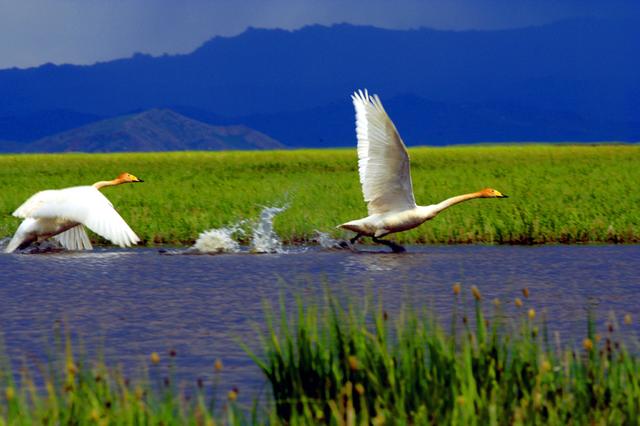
[(61, 214), (383, 164)]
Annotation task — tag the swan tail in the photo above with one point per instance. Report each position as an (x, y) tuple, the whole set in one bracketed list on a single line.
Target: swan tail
[(357, 226), (23, 236)]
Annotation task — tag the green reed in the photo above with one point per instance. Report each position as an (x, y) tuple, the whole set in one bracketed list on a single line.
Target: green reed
[(564, 193), (347, 365), (70, 390), (355, 364)]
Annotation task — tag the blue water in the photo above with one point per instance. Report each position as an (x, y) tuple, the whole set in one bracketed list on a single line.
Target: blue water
[(129, 303)]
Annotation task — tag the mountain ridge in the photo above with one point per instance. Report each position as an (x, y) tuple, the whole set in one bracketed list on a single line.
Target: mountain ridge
[(584, 69)]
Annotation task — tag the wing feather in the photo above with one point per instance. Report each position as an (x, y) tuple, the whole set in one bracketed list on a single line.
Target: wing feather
[(81, 204), (383, 160), (75, 238)]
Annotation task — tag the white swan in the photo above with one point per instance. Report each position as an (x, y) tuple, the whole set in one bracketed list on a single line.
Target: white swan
[(383, 164), (61, 214)]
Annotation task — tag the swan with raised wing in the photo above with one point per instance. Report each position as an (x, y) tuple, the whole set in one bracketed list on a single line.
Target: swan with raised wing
[(63, 213), (383, 165)]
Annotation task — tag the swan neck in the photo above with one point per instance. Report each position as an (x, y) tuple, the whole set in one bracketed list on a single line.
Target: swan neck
[(456, 200), (104, 183)]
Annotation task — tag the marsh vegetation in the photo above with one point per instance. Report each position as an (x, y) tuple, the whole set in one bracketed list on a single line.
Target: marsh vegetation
[(353, 363), (566, 193)]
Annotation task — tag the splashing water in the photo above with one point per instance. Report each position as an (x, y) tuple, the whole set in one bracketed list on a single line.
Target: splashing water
[(326, 241), (45, 246), (263, 238), (219, 240), (3, 243)]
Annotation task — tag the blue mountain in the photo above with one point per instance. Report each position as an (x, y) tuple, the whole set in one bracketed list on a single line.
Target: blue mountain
[(572, 80)]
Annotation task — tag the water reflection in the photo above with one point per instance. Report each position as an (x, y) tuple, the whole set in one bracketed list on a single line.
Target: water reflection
[(370, 261)]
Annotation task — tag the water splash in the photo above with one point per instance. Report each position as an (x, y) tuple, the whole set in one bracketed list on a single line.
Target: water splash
[(263, 237), (225, 240), (326, 241), (219, 240), (38, 247)]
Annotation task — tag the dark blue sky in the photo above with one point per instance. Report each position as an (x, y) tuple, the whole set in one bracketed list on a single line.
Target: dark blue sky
[(33, 32)]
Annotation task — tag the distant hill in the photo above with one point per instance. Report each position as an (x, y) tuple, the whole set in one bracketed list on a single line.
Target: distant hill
[(424, 122), (571, 80), (153, 130)]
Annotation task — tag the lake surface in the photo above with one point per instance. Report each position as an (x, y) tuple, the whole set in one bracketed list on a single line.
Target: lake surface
[(129, 303)]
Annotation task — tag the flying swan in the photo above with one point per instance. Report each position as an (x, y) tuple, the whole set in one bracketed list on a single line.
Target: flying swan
[(383, 164), (61, 214)]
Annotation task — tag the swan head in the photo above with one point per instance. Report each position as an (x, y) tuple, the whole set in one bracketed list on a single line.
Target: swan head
[(492, 193), (128, 178)]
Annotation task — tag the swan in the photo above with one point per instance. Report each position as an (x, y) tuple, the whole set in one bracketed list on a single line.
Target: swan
[(61, 214), (383, 165)]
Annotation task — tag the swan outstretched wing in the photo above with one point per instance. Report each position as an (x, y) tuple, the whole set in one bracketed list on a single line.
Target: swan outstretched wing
[(81, 204), (383, 160)]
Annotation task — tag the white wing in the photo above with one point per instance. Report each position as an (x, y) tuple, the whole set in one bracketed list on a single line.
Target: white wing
[(383, 161), (75, 238), (35, 202), (81, 204)]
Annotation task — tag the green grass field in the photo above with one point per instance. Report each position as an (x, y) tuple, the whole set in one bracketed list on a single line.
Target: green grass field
[(560, 193)]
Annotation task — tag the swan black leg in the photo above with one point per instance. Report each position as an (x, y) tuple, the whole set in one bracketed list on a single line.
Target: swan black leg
[(352, 241), (396, 248)]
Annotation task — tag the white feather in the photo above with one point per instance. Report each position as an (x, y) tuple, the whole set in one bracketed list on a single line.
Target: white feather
[(75, 238), (383, 160), (383, 164), (23, 233), (58, 212)]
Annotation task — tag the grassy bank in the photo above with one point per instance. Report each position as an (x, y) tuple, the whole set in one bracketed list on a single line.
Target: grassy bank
[(348, 365), (558, 193)]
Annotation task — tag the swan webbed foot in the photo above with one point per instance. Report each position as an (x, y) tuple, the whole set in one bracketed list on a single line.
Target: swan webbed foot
[(395, 247), (349, 244), (354, 239)]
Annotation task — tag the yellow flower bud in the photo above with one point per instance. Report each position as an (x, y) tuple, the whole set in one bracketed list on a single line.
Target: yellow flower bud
[(139, 392), (545, 366), (95, 415), (353, 362), (532, 314), (155, 358), (518, 302), (232, 395), (627, 319), (476, 292), (456, 289), (9, 393), (525, 292), (71, 368), (587, 344), (217, 366)]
